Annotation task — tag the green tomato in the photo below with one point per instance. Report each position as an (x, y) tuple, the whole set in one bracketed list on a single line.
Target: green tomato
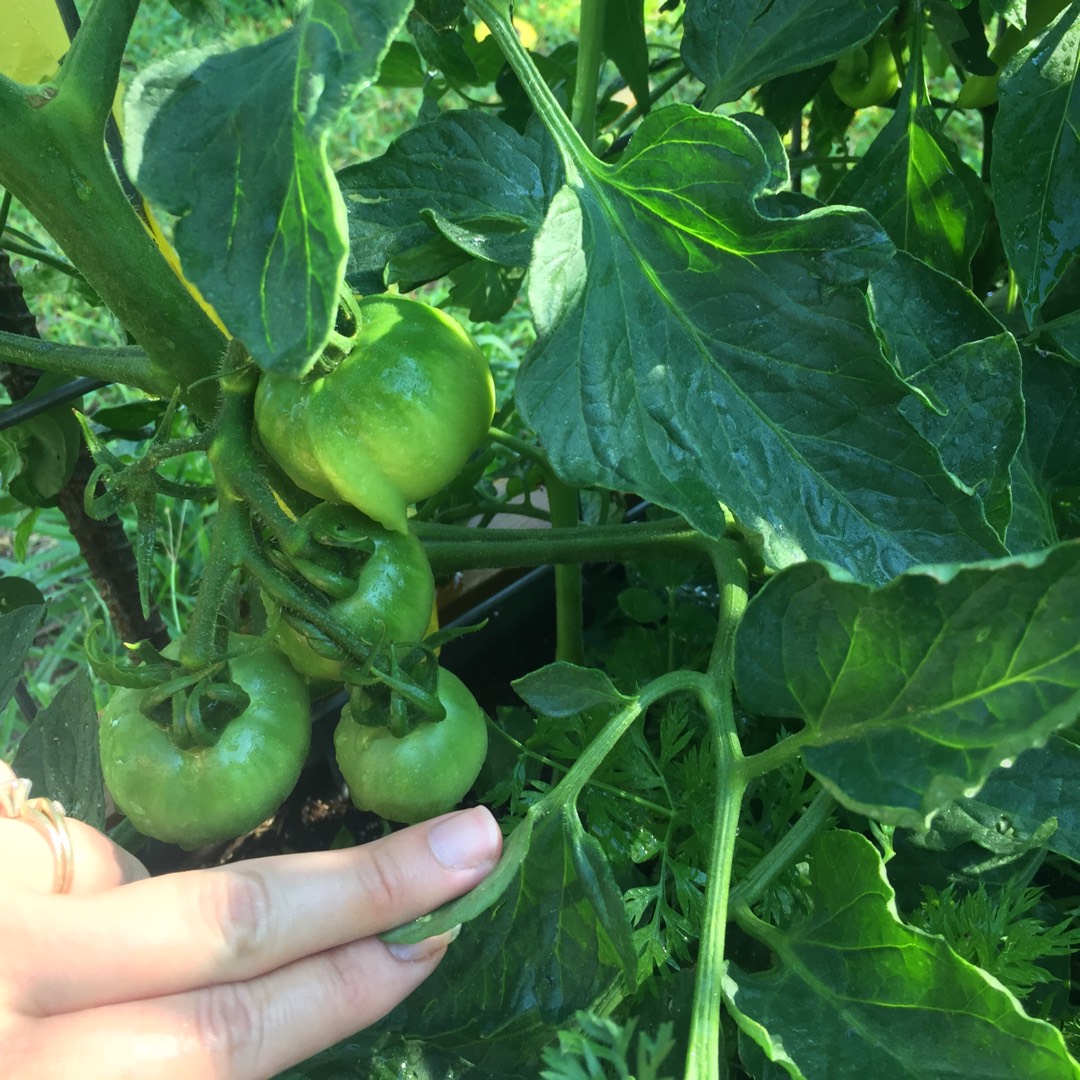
[(394, 422), (201, 794), (866, 75), (391, 604), (425, 772)]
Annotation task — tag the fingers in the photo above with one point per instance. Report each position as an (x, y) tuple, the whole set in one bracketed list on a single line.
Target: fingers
[(28, 861), (235, 1030), (176, 933)]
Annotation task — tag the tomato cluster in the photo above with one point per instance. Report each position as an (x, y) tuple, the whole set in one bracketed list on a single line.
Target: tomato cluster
[(393, 422)]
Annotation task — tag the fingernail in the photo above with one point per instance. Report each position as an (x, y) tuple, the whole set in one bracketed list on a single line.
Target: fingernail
[(421, 950), (466, 840)]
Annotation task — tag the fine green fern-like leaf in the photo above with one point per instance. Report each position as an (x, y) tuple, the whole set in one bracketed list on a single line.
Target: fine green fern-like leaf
[(999, 932), (600, 1049)]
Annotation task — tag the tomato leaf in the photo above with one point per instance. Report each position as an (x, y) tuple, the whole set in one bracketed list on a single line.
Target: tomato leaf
[(1036, 161), (59, 752), (738, 44), (913, 693), (854, 992), (563, 689), (1048, 462), (966, 370), (235, 145), (914, 181), (710, 346), (467, 178)]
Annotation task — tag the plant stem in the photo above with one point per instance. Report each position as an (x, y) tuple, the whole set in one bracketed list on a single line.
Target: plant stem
[(122, 364), (459, 547), (569, 636), (758, 764), (524, 449), (573, 150), (704, 1059), (55, 163), (638, 109), (790, 846), (569, 787), (590, 58)]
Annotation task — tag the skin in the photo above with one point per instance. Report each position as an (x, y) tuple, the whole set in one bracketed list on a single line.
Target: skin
[(237, 971)]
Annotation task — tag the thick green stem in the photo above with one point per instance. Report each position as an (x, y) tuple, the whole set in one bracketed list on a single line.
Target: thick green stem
[(203, 632), (590, 58), (790, 846), (572, 148), (569, 635), (130, 366), (459, 547), (55, 163), (704, 1061), (569, 787)]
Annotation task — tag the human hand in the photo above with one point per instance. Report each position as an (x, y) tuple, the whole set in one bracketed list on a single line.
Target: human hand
[(237, 971)]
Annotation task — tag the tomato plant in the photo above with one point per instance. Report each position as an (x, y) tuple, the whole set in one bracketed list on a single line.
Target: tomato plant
[(797, 383)]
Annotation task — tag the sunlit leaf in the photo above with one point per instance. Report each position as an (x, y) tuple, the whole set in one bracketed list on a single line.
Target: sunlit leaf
[(854, 993), (913, 693)]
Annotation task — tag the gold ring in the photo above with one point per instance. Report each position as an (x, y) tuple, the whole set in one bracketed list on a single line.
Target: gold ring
[(47, 816)]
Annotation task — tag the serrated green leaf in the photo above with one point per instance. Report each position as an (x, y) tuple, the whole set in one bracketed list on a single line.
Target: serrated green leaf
[(854, 993), (733, 45), (914, 181), (967, 370), (59, 752), (235, 145), (467, 171), (1035, 169), (699, 351), (913, 693), (563, 689)]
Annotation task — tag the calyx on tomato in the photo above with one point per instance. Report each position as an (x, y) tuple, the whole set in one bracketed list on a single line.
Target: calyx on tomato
[(393, 593), (394, 422), (425, 772), (866, 75), (191, 793)]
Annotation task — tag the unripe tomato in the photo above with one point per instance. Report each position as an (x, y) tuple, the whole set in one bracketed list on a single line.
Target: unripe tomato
[(201, 794), (866, 75), (423, 773), (391, 604), (394, 422)]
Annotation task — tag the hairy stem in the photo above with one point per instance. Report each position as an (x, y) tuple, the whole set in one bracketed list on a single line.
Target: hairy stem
[(55, 163), (590, 58), (459, 547), (790, 846), (123, 364), (704, 1060), (569, 635)]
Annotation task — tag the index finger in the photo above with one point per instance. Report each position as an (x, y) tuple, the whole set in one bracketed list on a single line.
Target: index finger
[(206, 927)]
